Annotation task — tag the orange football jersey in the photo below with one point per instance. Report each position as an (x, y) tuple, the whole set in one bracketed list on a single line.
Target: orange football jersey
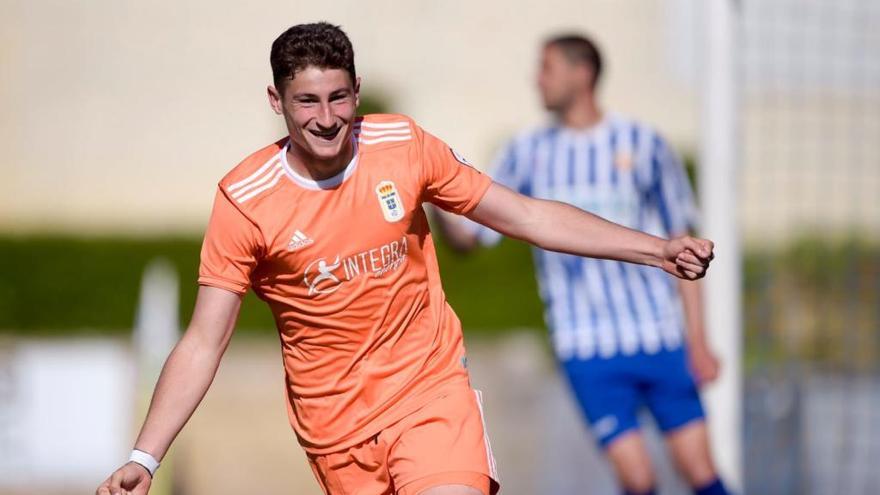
[(348, 268)]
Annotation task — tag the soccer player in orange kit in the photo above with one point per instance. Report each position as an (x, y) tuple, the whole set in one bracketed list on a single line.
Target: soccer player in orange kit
[(326, 225)]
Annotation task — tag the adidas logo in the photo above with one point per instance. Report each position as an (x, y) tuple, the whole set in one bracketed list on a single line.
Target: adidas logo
[(298, 241)]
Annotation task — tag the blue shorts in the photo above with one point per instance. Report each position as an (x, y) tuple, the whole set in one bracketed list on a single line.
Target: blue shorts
[(611, 391)]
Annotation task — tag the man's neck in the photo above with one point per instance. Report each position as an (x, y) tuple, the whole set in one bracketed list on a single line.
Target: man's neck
[(316, 169), (582, 113)]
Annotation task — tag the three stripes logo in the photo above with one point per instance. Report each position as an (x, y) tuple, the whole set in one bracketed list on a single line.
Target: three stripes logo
[(264, 178), (298, 241), (382, 132)]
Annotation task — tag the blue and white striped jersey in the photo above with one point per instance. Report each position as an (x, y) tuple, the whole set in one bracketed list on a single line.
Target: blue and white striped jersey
[(625, 172)]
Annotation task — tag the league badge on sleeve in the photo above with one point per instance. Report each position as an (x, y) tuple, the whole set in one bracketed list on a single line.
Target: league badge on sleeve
[(462, 160), (389, 201)]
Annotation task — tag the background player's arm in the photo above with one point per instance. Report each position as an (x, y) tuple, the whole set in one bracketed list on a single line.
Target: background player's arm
[(455, 232), (185, 378), (564, 228), (704, 364)]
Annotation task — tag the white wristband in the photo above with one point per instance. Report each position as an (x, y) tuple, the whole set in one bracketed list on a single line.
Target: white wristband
[(144, 459)]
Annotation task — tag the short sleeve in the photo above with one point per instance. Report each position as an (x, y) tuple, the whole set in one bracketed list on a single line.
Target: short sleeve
[(449, 181), (672, 191), (231, 249)]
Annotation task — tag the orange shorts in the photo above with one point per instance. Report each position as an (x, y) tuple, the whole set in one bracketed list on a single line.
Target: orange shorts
[(442, 443)]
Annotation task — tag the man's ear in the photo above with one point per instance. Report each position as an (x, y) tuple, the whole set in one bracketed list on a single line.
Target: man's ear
[(274, 99), (357, 91), (590, 76)]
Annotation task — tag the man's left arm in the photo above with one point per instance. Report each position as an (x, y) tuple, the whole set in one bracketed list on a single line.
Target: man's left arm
[(675, 200), (704, 364), (557, 226)]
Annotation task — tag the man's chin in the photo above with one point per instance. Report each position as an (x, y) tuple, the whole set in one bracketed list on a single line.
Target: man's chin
[(552, 107), (325, 150)]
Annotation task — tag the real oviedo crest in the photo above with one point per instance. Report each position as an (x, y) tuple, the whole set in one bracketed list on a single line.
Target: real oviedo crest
[(389, 201)]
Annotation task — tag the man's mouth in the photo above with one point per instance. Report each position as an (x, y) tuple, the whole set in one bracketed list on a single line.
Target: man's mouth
[(328, 135)]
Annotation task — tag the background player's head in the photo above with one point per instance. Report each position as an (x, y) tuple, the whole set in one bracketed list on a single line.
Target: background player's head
[(315, 87), (570, 69)]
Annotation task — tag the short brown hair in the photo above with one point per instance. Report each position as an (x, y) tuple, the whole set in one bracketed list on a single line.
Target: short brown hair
[(320, 44), (579, 49)]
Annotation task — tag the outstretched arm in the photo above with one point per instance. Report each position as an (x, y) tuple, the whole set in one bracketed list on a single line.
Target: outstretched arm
[(564, 228), (185, 378)]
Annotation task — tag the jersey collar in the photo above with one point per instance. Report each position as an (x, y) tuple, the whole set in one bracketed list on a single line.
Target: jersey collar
[(604, 123), (318, 185)]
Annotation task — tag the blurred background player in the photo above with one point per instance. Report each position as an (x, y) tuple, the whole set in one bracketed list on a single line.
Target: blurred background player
[(626, 336), (327, 226)]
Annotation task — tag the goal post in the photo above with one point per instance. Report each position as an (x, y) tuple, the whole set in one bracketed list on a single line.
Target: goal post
[(719, 182)]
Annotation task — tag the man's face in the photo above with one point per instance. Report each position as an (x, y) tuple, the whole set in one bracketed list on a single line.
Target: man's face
[(319, 107), (559, 80)]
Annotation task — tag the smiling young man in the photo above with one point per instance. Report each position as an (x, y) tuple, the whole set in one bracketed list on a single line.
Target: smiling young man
[(327, 226)]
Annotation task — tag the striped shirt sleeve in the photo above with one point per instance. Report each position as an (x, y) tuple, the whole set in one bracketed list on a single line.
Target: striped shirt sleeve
[(672, 191)]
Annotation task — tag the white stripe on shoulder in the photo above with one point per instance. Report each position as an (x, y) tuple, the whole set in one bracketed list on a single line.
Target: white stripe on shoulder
[(383, 125), (254, 175), (382, 132), (384, 139), (364, 132), (258, 182), (279, 172)]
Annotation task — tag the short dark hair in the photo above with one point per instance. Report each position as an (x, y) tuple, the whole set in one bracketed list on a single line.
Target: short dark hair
[(320, 44), (579, 49)]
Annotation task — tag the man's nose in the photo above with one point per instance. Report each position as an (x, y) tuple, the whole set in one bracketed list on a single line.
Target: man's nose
[(325, 118)]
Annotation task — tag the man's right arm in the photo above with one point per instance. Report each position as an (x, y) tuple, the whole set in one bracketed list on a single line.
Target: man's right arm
[(461, 238), (185, 378)]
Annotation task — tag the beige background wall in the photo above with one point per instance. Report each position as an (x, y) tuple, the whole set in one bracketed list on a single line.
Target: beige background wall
[(122, 115)]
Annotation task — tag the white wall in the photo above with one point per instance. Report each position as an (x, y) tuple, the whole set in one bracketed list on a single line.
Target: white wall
[(122, 115)]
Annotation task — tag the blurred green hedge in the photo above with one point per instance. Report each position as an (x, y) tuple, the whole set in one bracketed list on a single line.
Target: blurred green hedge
[(814, 300), (55, 285), (817, 300)]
